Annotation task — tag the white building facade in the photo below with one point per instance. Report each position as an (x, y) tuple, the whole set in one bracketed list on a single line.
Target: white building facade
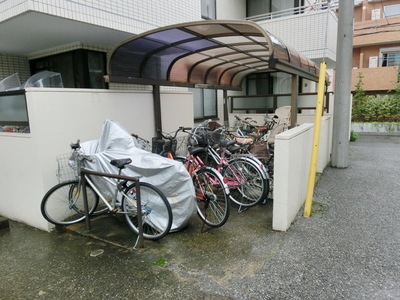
[(74, 37)]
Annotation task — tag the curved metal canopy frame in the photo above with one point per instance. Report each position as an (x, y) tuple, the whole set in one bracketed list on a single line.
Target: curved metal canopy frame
[(209, 54)]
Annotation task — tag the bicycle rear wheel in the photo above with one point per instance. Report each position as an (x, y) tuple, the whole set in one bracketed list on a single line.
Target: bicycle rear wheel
[(248, 183), (156, 211), (63, 204), (211, 196)]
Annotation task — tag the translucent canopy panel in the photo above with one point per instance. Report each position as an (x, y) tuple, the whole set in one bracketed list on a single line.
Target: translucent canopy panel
[(211, 54)]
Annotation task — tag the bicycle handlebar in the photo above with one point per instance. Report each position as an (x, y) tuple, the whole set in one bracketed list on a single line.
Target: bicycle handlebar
[(170, 137), (76, 145), (79, 154), (139, 138), (247, 120)]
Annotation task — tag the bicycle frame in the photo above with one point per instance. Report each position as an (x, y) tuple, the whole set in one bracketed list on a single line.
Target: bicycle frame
[(222, 162), (78, 158), (193, 162), (212, 207), (112, 206)]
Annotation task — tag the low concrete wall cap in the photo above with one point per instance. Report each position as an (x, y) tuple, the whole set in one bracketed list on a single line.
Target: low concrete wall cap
[(292, 133)]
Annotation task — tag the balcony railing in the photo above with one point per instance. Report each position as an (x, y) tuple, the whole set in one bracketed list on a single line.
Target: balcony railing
[(269, 103), (384, 61), (332, 5)]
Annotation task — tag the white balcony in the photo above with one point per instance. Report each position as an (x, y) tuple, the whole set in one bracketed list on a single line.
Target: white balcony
[(311, 30)]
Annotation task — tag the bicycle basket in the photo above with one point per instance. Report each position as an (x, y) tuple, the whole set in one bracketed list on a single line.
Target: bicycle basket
[(217, 135), (200, 139), (260, 150), (170, 146), (182, 144), (157, 145), (213, 125), (64, 170)]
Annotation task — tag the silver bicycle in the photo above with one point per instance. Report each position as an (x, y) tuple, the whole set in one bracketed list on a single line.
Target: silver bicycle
[(64, 204)]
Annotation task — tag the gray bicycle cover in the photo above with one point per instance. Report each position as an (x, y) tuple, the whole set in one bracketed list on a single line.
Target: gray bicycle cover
[(168, 175)]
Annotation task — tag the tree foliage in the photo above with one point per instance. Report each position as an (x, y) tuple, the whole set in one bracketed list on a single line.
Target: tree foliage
[(375, 108)]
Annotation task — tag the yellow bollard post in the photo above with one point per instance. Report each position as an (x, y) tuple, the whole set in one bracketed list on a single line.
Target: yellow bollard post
[(317, 130)]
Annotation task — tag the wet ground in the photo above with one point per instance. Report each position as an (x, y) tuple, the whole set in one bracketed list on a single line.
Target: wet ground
[(347, 249)]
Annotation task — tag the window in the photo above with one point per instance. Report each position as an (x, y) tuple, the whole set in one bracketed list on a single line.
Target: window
[(79, 68), (281, 5), (282, 83), (390, 56), (13, 111), (205, 104), (259, 84), (259, 7), (208, 9), (392, 10), (269, 83)]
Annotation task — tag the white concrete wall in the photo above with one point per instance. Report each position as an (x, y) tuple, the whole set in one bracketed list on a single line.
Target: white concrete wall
[(376, 127), (60, 116), (291, 168), (325, 139)]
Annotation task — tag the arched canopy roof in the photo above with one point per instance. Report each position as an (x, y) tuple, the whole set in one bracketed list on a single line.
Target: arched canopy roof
[(209, 54)]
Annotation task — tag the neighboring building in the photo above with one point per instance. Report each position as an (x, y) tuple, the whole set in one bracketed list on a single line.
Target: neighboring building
[(376, 45), (74, 38)]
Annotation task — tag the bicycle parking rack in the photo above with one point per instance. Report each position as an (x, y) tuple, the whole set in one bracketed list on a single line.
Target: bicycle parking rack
[(139, 204)]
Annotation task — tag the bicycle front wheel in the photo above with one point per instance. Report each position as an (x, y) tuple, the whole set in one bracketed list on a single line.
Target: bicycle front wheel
[(247, 182), (63, 204), (156, 211), (211, 196)]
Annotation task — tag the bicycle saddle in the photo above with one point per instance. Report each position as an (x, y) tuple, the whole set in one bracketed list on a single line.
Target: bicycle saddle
[(196, 150), (226, 143), (121, 163)]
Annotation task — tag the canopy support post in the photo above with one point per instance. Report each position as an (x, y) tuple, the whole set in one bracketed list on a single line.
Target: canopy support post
[(226, 115), (157, 110), (293, 103)]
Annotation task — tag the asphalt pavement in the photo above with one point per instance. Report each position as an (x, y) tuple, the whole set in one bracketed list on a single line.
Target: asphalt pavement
[(347, 249)]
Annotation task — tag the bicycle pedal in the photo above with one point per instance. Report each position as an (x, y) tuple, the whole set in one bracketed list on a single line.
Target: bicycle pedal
[(114, 211)]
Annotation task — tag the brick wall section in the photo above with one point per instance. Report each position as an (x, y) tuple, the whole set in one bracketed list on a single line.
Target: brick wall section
[(379, 80)]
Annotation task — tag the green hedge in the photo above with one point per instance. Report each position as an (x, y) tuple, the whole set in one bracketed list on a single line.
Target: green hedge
[(376, 109)]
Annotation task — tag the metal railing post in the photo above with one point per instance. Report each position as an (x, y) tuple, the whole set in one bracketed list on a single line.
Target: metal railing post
[(85, 201), (139, 215)]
